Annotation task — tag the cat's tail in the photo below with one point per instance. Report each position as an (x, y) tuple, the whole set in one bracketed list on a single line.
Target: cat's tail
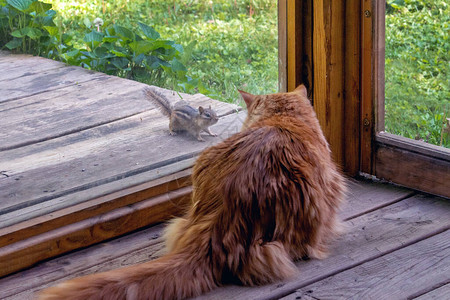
[(174, 276)]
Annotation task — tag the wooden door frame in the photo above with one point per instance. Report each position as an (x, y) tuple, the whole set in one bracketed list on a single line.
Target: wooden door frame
[(407, 162), (336, 48), (322, 51)]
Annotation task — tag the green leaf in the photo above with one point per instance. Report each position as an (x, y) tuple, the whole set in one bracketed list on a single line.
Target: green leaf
[(102, 52), (154, 62), (120, 62), (18, 33), (139, 59), (93, 38), (149, 32), (32, 33), (66, 38), (177, 66), (13, 44), (178, 47), (72, 53), (47, 20), (40, 7), (123, 32), (141, 47), (110, 39), (21, 5), (52, 30), (119, 53)]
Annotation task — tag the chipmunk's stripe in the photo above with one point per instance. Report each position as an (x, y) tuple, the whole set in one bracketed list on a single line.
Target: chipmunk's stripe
[(185, 113)]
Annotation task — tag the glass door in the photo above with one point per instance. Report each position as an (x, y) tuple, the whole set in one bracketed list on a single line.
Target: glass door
[(406, 93)]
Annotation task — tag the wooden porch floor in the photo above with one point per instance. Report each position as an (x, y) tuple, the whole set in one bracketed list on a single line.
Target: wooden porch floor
[(84, 158), (397, 246)]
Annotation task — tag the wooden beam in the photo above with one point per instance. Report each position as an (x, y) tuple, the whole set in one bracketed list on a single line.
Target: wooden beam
[(367, 100), (282, 46), (299, 44), (352, 89), (97, 206), (26, 253), (328, 57), (413, 164)]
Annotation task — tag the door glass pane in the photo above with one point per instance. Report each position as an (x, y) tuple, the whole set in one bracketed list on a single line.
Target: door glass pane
[(417, 70)]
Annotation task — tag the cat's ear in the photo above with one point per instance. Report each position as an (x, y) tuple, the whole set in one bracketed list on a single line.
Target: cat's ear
[(301, 89), (248, 98)]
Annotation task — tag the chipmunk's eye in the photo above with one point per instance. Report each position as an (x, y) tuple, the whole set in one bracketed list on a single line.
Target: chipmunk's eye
[(208, 115)]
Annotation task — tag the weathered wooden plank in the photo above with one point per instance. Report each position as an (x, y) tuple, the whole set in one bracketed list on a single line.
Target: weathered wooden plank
[(25, 253), (4, 54), (95, 260), (46, 81), (364, 196), (90, 208), (70, 110), (368, 237), (397, 275), (413, 169), (122, 154), (442, 292), (16, 66), (138, 247)]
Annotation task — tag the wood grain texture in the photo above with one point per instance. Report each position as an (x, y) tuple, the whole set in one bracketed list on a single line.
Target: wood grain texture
[(368, 237), (96, 206), (397, 275), (328, 56), (299, 44), (413, 170), (23, 65), (100, 156), (439, 293), (130, 249), (364, 196), (352, 96), (25, 253), (48, 80), (86, 262), (80, 148), (367, 80)]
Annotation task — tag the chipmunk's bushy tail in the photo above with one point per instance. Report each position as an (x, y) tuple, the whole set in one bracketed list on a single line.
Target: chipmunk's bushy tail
[(159, 100), (174, 276)]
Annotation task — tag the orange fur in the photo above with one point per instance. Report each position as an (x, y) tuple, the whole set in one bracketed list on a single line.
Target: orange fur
[(261, 199)]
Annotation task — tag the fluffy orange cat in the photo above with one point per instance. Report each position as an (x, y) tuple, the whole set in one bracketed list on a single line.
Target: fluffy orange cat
[(261, 199)]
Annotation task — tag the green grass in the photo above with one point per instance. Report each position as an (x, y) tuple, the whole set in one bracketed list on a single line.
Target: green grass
[(227, 44), (417, 95)]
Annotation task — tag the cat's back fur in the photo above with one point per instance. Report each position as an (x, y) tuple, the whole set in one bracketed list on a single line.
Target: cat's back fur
[(261, 199)]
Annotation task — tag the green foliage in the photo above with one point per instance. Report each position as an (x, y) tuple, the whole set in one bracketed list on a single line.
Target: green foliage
[(417, 69), (227, 44), (28, 26)]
